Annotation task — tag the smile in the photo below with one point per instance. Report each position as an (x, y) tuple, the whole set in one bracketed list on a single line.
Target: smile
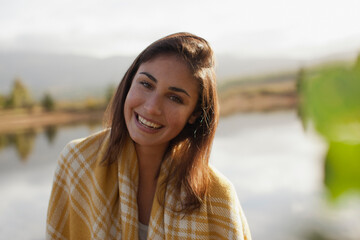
[(148, 123)]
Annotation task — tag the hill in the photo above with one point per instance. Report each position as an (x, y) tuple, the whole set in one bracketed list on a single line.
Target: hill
[(64, 76), (77, 77), (71, 76)]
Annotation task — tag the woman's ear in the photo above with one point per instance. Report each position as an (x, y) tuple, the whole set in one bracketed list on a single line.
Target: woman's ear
[(193, 117)]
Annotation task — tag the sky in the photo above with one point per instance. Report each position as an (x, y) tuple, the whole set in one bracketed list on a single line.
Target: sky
[(299, 29)]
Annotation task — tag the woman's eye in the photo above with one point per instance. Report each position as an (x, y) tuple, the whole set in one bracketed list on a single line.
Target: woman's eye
[(176, 99), (146, 84)]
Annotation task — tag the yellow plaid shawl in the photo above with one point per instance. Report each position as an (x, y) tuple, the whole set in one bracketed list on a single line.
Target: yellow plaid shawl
[(94, 201)]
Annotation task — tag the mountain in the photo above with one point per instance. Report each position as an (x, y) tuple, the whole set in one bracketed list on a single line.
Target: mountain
[(64, 76), (75, 77), (229, 66)]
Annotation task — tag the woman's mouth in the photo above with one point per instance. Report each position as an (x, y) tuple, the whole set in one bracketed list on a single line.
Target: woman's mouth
[(147, 123)]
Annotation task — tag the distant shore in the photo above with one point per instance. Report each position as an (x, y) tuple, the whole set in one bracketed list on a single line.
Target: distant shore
[(11, 121), (258, 97), (233, 98)]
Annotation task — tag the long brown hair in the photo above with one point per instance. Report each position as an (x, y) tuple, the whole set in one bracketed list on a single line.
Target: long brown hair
[(190, 150)]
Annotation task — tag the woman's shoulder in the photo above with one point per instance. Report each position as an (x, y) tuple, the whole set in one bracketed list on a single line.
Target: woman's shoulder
[(225, 207), (220, 186), (83, 148)]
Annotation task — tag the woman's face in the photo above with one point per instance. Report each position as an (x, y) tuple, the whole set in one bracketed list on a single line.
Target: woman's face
[(161, 100)]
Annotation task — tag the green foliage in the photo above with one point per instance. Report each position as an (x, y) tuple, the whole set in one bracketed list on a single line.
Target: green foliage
[(357, 63), (2, 101), (20, 96), (342, 168), (48, 102), (330, 99)]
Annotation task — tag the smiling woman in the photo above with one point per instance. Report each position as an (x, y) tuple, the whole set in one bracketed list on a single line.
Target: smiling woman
[(147, 175), (157, 108)]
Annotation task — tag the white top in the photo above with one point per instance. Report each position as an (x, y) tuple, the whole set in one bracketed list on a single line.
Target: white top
[(143, 230)]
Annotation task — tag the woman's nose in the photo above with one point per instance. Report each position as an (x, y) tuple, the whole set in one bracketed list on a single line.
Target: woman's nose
[(153, 105)]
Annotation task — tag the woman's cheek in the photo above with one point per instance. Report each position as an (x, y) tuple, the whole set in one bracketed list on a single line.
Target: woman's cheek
[(135, 98), (178, 117)]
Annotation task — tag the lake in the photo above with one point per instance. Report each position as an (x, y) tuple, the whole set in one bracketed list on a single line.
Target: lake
[(276, 168)]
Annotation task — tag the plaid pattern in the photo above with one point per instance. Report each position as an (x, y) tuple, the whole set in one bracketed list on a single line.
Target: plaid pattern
[(94, 201)]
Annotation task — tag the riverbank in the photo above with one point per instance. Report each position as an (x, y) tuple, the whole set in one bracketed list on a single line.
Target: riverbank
[(11, 121), (260, 95), (246, 100), (265, 96)]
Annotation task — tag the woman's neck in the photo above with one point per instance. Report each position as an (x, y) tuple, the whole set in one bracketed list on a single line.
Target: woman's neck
[(149, 159)]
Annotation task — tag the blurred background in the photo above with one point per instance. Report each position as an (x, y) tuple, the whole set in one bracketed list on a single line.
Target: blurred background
[(289, 87)]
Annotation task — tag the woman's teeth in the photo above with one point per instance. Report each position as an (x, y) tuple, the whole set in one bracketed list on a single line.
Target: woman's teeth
[(147, 123)]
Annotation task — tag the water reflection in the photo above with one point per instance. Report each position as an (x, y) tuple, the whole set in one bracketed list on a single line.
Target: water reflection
[(23, 141), (50, 133), (276, 169), (3, 142)]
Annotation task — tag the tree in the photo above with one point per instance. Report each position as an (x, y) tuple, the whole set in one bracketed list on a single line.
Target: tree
[(357, 63), (330, 101), (2, 101), (20, 96), (48, 102)]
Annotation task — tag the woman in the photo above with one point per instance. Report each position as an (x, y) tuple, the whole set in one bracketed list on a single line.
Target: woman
[(147, 176)]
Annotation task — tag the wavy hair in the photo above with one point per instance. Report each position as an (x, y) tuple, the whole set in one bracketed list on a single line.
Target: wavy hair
[(190, 150)]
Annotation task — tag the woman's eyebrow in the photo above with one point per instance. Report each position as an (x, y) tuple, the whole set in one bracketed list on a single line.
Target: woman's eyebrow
[(149, 76), (175, 89)]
